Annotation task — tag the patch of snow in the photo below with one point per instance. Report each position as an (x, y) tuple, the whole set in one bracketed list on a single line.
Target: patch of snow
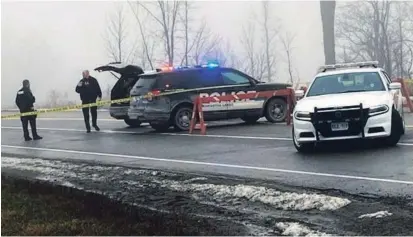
[(195, 179), (379, 214), (297, 229), (62, 171), (281, 200), (69, 184)]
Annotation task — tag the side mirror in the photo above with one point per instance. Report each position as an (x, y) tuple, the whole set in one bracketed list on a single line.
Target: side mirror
[(395, 86), (299, 93)]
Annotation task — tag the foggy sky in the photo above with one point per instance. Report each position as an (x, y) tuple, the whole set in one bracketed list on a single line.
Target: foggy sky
[(50, 43)]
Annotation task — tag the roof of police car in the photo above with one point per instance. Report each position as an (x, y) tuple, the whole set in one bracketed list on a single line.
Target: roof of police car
[(154, 72), (347, 70)]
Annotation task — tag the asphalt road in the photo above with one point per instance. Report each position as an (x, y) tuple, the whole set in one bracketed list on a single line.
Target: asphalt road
[(262, 151)]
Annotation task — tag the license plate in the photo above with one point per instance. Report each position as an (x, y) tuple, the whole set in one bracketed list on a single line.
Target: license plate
[(339, 126)]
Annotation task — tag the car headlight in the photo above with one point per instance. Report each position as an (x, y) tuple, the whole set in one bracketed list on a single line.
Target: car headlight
[(380, 109), (135, 98), (299, 115)]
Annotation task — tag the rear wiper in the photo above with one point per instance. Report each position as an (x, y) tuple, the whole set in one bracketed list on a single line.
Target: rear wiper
[(349, 91)]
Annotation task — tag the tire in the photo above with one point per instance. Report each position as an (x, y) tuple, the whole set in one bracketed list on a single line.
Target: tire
[(250, 119), (181, 118), (396, 129), (134, 123), (160, 127), (276, 110), (304, 148)]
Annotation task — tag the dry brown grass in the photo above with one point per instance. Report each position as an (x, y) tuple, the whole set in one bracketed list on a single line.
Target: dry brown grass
[(41, 209)]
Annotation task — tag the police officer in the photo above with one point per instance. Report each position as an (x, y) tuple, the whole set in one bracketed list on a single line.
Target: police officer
[(25, 101), (89, 91)]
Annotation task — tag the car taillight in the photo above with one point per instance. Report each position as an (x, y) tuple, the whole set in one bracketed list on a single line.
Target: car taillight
[(152, 94)]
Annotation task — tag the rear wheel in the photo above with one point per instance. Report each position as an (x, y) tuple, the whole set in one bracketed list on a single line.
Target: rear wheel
[(182, 118), (396, 129), (250, 119), (134, 123), (303, 147), (160, 127), (276, 110)]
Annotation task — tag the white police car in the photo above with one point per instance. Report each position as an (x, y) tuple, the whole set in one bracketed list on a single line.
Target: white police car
[(349, 101)]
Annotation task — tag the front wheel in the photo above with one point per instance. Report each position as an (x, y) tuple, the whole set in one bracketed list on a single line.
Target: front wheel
[(396, 130), (302, 147), (134, 123), (276, 110)]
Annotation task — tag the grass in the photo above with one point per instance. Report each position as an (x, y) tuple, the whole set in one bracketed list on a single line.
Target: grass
[(33, 208)]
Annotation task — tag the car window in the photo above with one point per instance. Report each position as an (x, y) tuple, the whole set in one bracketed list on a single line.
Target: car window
[(233, 78), (179, 80), (347, 82), (210, 77), (145, 83)]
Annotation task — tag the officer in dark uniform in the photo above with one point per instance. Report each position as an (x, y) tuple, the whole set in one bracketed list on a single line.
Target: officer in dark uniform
[(89, 91), (25, 101)]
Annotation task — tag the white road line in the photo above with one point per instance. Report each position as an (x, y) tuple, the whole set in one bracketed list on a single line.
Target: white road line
[(71, 119), (75, 130), (213, 164), (169, 134), (180, 134), (229, 136)]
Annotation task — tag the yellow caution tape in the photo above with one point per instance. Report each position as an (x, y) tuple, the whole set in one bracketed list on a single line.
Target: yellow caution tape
[(99, 103), (65, 108)]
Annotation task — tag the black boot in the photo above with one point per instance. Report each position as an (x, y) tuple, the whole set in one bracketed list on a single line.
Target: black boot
[(34, 129), (87, 127), (28, 139), (96, 127)]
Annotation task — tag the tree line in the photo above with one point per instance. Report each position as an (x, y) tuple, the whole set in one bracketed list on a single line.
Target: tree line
[(369, 30), (173, 31)]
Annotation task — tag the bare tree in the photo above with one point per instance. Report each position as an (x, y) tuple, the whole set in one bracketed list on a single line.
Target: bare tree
[(185, 20), (146, 52), (255, 56), (287, 41), (327, 10), (116, 36), (270, 33), (165, 14), (204, 43), (54, 98), (377, 30)]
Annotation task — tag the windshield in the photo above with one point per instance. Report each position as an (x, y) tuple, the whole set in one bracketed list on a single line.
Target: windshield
[(345, 83)]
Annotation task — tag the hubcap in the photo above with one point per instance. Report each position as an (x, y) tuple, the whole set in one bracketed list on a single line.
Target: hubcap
[(277, 111), (184, 118)]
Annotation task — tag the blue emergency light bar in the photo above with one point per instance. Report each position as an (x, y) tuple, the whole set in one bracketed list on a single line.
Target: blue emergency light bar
[(210, 65), (169, 69)]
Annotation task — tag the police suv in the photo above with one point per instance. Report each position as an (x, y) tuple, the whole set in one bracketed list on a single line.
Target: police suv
[(185, 84), (349, 101)]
